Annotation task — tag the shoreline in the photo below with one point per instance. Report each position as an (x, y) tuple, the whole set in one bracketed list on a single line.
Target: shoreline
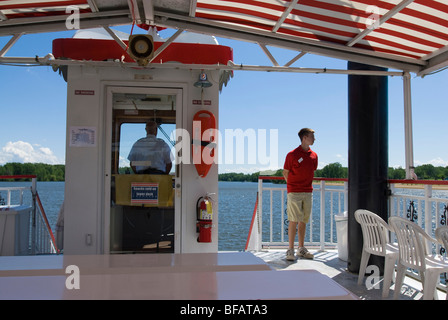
[(398, 185), (420, 186), (327, 183)]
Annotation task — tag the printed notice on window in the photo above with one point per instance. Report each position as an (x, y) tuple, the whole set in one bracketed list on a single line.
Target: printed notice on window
[(144, 193), (82, 137)]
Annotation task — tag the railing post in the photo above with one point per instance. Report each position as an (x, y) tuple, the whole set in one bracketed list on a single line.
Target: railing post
[(428, 209), (282, 229), (345, 196), (270, 216), (33, 217), (260, 214), (322, 215)]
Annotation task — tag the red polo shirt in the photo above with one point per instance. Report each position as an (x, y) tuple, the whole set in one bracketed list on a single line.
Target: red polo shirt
[(301, 165)]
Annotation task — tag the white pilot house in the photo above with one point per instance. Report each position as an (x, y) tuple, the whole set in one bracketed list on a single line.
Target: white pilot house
[(109, 208)]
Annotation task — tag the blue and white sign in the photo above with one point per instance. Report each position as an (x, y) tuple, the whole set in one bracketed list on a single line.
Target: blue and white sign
[(144, 193)]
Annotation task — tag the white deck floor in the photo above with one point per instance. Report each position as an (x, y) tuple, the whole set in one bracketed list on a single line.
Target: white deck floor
[(264, 275), (200, 276), (328, 263)]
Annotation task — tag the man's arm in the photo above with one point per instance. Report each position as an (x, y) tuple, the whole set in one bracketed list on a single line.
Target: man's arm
[(168, 167), (285, 174)]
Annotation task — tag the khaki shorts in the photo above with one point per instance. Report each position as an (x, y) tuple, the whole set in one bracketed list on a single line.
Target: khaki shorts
[(299, 206)]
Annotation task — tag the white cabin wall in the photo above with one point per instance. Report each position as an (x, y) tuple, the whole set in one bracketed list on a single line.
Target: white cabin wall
[(82, 175), (194, 186), (84, 186)]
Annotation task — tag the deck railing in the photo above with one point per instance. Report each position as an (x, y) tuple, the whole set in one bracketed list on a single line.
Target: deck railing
[(425, 203), (39, 236), (422, 201), (321, 230)]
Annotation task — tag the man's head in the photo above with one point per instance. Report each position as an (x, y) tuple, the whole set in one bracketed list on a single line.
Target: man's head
[(307, 133), (151, 127)]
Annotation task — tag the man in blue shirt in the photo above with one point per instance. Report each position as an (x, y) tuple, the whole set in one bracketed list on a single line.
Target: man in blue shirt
[(151, 155)]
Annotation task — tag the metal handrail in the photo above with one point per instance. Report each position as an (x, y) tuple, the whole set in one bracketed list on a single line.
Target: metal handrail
[(42, 240), (47, 229)]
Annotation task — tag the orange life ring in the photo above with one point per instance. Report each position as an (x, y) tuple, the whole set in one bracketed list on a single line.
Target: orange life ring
[(204, 141)]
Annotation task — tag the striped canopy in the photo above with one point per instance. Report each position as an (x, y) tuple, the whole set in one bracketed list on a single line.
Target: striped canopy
[(409, 35)]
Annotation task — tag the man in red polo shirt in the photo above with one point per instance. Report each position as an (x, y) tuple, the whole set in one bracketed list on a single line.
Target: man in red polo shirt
[(298, 171)]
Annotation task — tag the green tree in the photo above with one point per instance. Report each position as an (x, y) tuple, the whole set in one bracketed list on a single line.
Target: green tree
[(396, 173), (333, 170), (426, 172), (43, 171)]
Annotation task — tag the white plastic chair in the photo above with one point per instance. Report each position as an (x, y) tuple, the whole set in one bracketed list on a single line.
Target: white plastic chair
[(442, 238), (415, 254), (375, 232)]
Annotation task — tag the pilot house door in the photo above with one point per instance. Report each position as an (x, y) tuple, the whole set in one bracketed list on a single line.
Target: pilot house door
[(144, 209)]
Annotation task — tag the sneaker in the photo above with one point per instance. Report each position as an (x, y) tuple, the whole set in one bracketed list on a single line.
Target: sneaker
[(304, 253), (290, 255)]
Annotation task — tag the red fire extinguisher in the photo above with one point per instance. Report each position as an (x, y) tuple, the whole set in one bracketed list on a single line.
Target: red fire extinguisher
[(204, 219)]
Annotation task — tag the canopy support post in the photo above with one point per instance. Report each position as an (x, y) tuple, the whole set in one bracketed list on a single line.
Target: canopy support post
[(409, 144), (367, 156)]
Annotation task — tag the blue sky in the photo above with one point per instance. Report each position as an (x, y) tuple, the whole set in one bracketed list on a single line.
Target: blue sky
[(33, 107)]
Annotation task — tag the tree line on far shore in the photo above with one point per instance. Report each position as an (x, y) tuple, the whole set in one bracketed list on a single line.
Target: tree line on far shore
[(336, 170), (49, 172), (43, 171)]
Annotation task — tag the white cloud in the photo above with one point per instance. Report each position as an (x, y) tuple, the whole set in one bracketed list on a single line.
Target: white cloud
[(342, 160), (22, 152), (437, 162), (321, 164), (248, 169)]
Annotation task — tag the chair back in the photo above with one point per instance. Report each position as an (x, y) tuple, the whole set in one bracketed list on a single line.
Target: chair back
[(442, 236), (411, 243), (374, 231)]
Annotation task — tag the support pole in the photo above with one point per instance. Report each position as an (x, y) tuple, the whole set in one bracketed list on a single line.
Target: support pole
[(367, 156), (409, 143)]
